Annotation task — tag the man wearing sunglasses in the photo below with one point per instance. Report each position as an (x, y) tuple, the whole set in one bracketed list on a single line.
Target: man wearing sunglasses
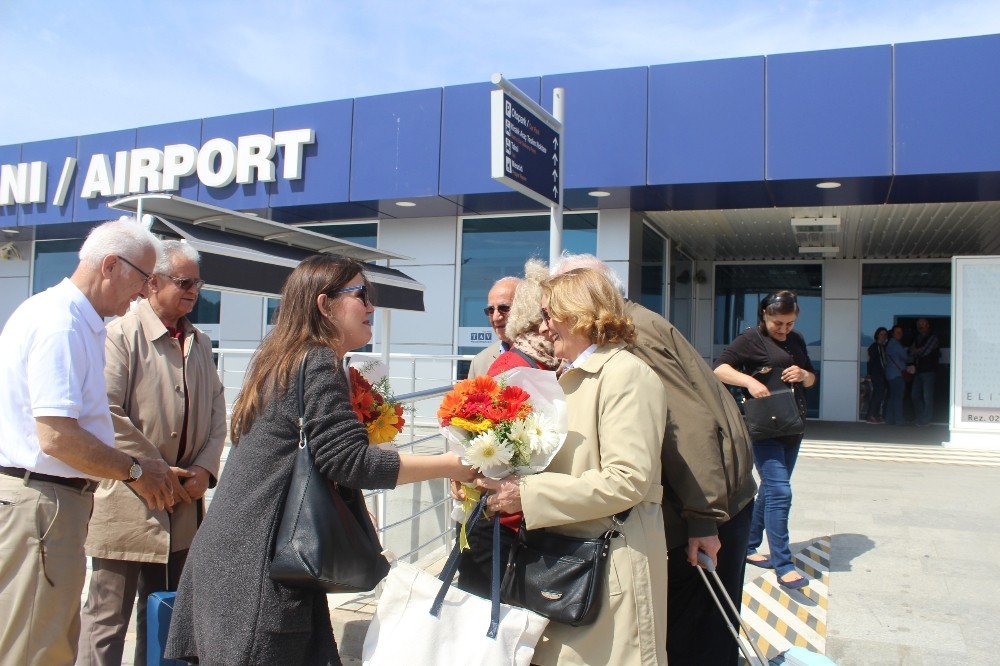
[(166, 403), (497, 308)]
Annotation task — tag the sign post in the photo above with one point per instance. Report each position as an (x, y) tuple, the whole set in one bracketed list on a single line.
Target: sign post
[(526, 150)]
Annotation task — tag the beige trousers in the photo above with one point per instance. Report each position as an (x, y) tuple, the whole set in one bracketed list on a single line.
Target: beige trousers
[(42, 568)]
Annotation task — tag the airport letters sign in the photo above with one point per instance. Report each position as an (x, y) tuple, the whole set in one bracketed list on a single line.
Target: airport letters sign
[(524, 148)]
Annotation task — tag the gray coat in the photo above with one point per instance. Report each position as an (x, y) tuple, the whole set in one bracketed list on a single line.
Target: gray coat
[(228, 611)]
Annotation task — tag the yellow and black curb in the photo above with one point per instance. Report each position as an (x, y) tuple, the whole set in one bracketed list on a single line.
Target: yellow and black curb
[(779, 619)]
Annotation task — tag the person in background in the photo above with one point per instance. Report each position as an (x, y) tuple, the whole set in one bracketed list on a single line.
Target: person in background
[(529, 349), (497, 308), (57, 438), (228, 610), (762, 360), (609, 464), (897, 358), (925, 352), (166, 402), (877, 361), (707, 477)]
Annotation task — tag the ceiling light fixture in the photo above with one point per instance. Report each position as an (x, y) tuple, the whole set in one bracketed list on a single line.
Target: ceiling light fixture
[(599, 194), (11, 231), (819, 249), (828, 185), (405, 204)]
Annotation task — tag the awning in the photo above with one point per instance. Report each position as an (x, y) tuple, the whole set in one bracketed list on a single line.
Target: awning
[(250, 253)]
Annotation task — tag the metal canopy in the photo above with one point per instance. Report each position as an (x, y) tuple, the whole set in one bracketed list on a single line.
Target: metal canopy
[(200, 214), (253, 254)]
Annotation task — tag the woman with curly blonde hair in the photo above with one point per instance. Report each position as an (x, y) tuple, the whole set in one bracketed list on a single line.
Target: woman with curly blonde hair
[(605, 476)]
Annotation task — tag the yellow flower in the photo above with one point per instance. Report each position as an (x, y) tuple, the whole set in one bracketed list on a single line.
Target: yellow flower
[(384, 427), (481, 425)]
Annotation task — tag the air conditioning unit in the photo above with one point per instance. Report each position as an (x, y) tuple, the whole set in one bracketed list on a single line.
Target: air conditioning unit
[(807, 225)]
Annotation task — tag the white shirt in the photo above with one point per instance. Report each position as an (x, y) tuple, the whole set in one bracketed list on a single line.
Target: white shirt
[(51, 364), (584, 355)]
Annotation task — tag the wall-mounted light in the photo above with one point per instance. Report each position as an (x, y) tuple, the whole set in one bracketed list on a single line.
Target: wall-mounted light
[(828, 185), (599, 194), (405, 204)]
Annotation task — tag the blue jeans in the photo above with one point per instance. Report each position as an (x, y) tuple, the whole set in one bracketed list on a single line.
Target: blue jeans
[(894, 407), (922, 394), (774, 462)]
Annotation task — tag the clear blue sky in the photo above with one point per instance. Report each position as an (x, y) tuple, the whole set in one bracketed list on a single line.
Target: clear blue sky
[(72, 68)]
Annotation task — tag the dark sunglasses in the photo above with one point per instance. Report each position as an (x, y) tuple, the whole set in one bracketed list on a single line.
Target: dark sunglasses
[(359, 292), (185, 283), (503, 308), (146, 276)]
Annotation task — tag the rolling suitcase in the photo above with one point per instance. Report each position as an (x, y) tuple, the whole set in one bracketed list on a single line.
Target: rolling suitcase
[(158, 609), (795, 656)]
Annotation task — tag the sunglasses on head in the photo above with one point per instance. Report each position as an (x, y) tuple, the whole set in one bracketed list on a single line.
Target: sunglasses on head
[(186, 283), (360, 292), (503, 308)]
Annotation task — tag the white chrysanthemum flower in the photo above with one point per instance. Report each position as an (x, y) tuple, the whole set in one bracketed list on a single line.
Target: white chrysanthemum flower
[(521, 434), (486, 452), (543, 432)]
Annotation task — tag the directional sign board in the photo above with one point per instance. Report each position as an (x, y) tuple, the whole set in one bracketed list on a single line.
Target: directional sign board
[(525, 148)]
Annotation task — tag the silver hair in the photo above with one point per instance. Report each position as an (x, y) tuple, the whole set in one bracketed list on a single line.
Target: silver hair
[(122, 237), (568, 261), (505, 279), (171, 249)]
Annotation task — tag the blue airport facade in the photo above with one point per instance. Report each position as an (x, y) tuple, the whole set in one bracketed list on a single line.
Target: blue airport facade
[(647, 151)]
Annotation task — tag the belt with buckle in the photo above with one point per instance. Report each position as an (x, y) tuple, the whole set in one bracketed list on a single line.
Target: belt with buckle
[(83, 485)]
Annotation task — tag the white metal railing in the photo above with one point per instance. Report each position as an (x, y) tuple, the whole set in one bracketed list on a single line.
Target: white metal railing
[(414, 519)]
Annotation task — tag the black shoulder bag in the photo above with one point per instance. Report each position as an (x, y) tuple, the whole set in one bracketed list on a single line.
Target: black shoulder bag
[(775, 415), (558, 576), (326, 540)]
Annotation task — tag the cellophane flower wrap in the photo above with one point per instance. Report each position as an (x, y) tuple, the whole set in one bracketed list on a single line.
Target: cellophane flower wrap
[(372, 400), (512, 424)]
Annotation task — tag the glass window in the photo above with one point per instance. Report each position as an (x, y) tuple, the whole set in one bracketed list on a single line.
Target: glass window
[(54, 260), (653, 274), (362, 233), (682, 283), (739, 289), (208, 307), (901, 293), (271, 307), (493, 247)]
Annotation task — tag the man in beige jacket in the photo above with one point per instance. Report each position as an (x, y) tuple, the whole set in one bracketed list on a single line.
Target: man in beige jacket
[(166, 402)]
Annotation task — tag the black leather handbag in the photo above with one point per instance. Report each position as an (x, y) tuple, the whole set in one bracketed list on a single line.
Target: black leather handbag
[(775, 415), (558, 576), (326, 540)]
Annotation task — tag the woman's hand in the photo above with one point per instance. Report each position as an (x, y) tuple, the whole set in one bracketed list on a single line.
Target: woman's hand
[(462, 473), (457, 492), (505, 494), (757, 389), (793, 374)]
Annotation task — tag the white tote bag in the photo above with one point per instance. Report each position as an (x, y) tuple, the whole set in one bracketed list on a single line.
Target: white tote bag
[(404, 631)]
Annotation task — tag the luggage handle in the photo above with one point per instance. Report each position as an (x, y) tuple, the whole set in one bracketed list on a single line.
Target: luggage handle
[(706, 563)]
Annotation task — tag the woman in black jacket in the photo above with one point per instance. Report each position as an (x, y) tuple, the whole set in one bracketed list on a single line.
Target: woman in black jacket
[(762, 360), (228, 611), (877, 361)]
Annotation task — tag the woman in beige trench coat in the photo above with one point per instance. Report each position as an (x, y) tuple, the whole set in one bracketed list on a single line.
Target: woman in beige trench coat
[(610, 462)]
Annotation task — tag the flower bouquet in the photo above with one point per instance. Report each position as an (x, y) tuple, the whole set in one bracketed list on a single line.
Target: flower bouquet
[(514, 424), (372, 400)]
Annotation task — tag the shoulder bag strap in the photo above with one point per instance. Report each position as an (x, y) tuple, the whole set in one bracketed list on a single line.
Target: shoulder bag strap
[(531, 362), (301, 391)]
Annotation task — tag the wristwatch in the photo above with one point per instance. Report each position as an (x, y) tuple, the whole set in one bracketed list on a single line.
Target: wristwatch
[(134, 472)]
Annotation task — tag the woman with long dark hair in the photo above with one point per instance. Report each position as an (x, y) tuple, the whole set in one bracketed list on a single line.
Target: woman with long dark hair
[(877, 361), (761, 360), (228, 611)]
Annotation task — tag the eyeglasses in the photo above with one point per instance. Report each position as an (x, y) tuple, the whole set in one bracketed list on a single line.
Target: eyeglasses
[(359, 292), (503, 309), (185, 283), (545, 316), (146, 276)]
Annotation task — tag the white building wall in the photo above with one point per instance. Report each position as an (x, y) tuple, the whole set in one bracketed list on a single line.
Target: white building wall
[(839, 370), (15, 281)]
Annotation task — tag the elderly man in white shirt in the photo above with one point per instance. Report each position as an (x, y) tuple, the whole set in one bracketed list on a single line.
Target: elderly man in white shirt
[(57, 439)]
